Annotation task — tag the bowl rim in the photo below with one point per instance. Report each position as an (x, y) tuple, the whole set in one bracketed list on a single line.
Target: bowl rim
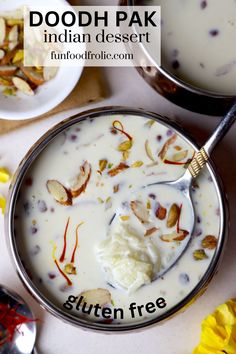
[(15, 186)]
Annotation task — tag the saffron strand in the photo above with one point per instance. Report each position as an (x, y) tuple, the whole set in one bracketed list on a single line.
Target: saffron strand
[(62, 258), (76, 243)]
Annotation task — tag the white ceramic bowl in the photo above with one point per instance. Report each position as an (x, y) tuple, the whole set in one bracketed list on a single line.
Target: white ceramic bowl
[(50, 94)]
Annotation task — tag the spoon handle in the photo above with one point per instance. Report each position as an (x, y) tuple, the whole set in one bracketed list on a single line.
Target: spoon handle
[(203, 155), (221, 130)]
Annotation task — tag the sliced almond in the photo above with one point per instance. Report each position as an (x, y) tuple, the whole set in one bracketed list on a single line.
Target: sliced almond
[(2, 30), (209, 242), (7, 70), (2, 54), (140, 211), (81, 181), (166, 146), (149, 151), (97, 296), (151, 231), (121, 167), (161, 212), (173, 215), (8, 57), (49, 72), (181, 155), (13, 37), (59, 192), (23, 86), (35, 77), (175, 236)]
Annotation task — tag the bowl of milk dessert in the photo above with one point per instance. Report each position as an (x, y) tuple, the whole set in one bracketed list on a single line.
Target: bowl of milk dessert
[(198, 55), (91, 243)]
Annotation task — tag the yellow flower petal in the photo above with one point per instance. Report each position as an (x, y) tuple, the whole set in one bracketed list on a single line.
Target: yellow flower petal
[(4, 175), (2, 204), (219, 331)]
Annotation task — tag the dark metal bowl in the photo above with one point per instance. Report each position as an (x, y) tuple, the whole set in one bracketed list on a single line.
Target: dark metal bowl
[(15, 187)]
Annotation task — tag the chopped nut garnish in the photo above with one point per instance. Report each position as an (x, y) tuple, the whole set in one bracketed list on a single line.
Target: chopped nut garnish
[(209, 242), (200, 255), (175, 236), (166, 146), (124, 217), (100, 200), (125, 155), (161, 212), (179, 156), (108, 203), (149, 123), (81, 181), (126, 145), (70, 269), (151, 231), (140, 211), (116, 188), (121, 167), (137, 164), (102, 164), (59, 192), (149, 151), (173, 215)]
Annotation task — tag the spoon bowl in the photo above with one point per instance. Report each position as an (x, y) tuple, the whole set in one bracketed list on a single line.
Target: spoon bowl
[(25, 335)]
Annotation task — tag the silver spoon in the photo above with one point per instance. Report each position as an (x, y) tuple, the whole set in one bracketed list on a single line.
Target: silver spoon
[(24, 339), (184, 183)]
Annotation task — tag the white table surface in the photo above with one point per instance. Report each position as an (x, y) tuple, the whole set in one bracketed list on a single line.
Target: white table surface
[(179, 335)]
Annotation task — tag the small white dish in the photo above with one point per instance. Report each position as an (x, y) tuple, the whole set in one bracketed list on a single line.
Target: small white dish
[(50, 94)]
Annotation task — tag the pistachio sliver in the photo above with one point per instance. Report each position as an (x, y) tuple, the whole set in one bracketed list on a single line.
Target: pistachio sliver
[(126, 145)]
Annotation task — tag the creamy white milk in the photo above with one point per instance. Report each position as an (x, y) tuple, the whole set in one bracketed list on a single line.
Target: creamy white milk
[(139, 246), (198, 42)]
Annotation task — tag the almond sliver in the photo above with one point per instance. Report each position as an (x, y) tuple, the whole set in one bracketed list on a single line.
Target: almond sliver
[(80, 182), (23, 86), (2, 30)]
